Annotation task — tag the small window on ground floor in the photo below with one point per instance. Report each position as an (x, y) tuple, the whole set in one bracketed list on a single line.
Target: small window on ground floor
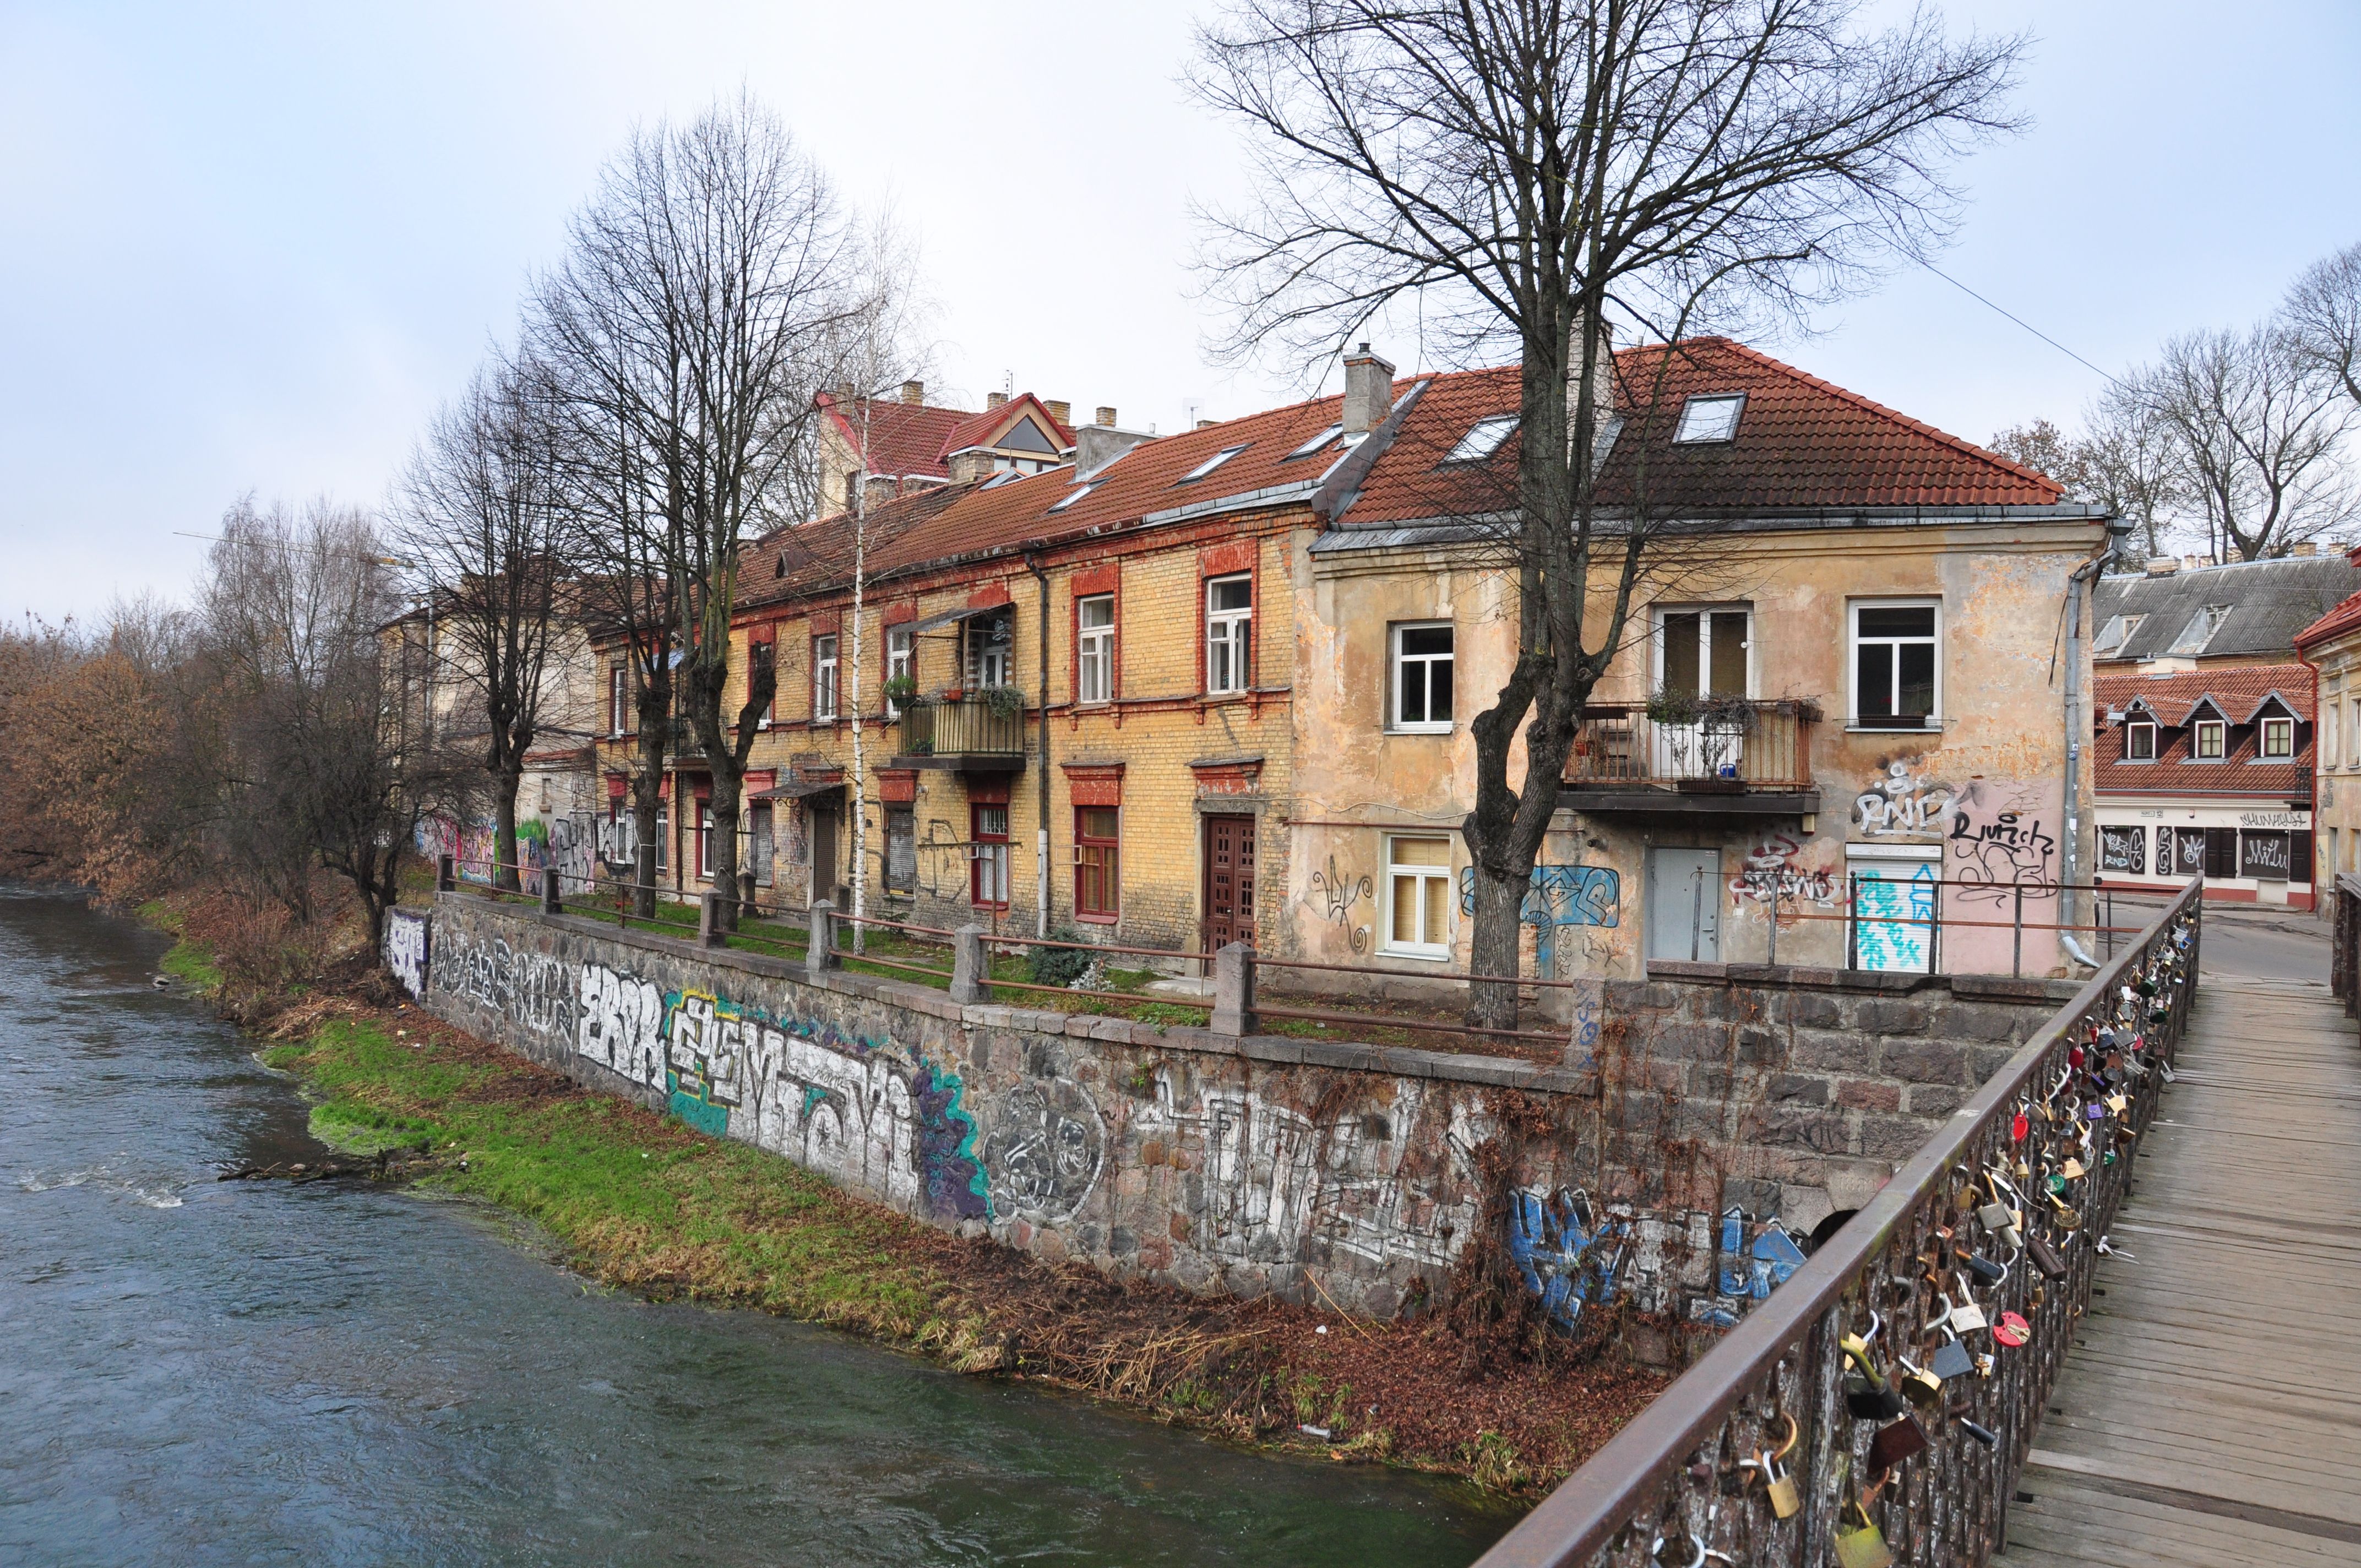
[(1418, 896), (901, 850), (989, 875)]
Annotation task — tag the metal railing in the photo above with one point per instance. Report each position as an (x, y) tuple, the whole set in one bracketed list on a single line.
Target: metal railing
[(2344, 943), (1762, 744), (1684, 1474), (961, 727)]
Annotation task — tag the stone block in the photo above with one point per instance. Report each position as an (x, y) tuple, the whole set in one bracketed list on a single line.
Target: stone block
[(1980, 1021), (1984, 1061), (1868, 1094), (1802, 1127), (1814, 1010), (1934, 1100), (1894, 1138), (1760, 1048), (1889, 1015), (1758, 1198), (1798, 1089), (1923, 1061), (1831, 1051), (1802, 1208), (1851, 1183)]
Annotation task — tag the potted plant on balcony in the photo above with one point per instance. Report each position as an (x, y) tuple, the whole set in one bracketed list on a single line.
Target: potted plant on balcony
[(902, 691), (1006, 702)]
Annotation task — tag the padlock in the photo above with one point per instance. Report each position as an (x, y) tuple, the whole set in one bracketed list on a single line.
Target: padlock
[(1951, 1358), (1872, 1398), (1969, 1315), (2118, 1103), (2011, 1330), (1984, 1268), (1786, 1497), (1895, 1442), (1863, 1547), (1977, 1430), (1919, 1386)]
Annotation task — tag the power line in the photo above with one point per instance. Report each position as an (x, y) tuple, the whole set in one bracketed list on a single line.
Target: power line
[(2020, 321)]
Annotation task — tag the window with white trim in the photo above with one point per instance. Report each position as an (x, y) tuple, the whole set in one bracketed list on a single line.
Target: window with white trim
[(1422, 656), (1317, 443), (1229, 633), (2139, 741), (823, 678), (2278, 738), (1418, 897), (1895, 670), (1209, 463), (1485, 437), (1705, 419), (989, 866), (897, 663), (619, 700), (2210, 736), (1094, 648)]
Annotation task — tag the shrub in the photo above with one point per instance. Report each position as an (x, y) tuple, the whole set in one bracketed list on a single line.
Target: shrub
[(1061, 966)]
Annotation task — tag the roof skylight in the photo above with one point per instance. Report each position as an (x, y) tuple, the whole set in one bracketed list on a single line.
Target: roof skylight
[(1209, 463), (1711, 418), (1317, 441), (2201, 629), (1078, 492), (1485, 437)]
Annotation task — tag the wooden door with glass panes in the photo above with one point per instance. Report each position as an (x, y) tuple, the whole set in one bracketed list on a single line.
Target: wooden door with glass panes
[(1229, 882)]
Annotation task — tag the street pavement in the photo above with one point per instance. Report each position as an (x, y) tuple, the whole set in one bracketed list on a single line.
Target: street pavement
[(2251, 943)]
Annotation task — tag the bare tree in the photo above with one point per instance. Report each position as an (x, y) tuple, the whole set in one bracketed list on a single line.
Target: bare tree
[(2323, 318), (706, 283), (484, 511), (1528, 170), (318, 770), (2129, 463), (2255, 431)]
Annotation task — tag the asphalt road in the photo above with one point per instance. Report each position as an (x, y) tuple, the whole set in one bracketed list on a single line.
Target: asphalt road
[(2257, 944)]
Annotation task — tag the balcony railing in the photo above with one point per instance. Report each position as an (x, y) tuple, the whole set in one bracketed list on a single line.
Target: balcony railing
[(1731, 746), (962, 727)]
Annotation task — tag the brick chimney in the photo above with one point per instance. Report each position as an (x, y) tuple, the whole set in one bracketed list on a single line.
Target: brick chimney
[(2308, 547), (1368, 391), (1061, 411), (2162, 565), (971, 464), (1602, 392), (1106, 416), (913, 393), (994, 399)]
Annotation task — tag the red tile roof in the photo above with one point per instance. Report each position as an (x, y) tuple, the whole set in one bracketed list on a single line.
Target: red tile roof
[(1800, 443), (913, 439), (2345, 618), (2239, 693)]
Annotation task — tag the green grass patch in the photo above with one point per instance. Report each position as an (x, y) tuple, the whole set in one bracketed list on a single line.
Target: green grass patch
[(191, 963), (640, 1200)]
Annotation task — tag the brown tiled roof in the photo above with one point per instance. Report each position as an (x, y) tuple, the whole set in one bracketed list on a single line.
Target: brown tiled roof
[(909, 439), (811, 557), (972, 431), (2239, 693)]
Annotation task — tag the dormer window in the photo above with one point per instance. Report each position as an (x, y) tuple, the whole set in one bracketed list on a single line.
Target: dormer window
[(1709, 419), (2201, 629), (1317, 443), (2139, 741), (1484, 438), (2114, 637), (2279, 739), (1209, 463), (2211, 735)]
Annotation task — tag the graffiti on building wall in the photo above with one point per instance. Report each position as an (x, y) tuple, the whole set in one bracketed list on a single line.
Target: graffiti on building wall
[(405, 949), (1045, 1151), (1334, 893), (1771, 873), (2000, 838), (618, 838), (1903, 804), (1274, 1176), (798, 835), (1893, 921), (1559, 896), (565, 842)]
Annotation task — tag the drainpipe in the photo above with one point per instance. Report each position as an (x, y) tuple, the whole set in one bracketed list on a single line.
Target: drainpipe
[(1041, 832), (2078, 730)]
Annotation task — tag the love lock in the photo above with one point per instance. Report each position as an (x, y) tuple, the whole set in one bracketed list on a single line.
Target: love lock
[(1895, 1442), (1787, 1499), (1977, 1430), (1864, 1546), (1968, 1316), (2012, 1330), (2107, 1248), (1919, 1386), (1655, 1550), (1951, 1359)]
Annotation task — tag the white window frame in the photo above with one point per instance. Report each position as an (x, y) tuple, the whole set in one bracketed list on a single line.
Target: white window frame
[(1695, 408), (1852, 660), (1399, 667), (1703, 612), (2263, 751), (1317, 441), (824, 672), (2131, 752), (1439, 949), (1209, 463), (1484, 438), (1232, 632), (898, 662), (619, 689), (1094, 651), (2197, 733)]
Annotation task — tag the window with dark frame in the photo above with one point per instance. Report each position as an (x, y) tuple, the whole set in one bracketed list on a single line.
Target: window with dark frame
[(1893, 666), (1422, 683), (1097, 862), (759, 656), (2139, 741)]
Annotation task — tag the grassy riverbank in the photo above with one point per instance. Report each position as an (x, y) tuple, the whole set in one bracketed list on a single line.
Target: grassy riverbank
[(642, 1202)]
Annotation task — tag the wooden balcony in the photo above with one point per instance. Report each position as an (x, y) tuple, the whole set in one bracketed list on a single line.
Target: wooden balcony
[(1738, 757), (965, 733)]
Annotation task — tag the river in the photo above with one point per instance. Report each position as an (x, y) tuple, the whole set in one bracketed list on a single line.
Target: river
[(261, 1373)]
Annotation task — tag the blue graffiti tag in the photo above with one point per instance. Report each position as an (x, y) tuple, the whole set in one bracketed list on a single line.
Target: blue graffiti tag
[(1560, 895), (1758, 1270), (1555, 1248)]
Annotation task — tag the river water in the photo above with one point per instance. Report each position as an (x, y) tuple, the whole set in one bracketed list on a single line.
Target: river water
[(259, 1373)]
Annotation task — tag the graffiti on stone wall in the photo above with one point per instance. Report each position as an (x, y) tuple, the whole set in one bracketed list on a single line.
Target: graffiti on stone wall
[(1560, 896), (1903, 804), (565, 842), (1274, 1178), (1771, 872), (1999, 839), (1334, 893), (1565, 1254), (1045, 1151), (1589, 1014), (405, 949), (840, 1106), (531, 989)]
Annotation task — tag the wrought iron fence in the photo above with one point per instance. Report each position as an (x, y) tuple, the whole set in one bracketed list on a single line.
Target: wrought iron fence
[(1913, 1377), (964, 727), (1726, 744)]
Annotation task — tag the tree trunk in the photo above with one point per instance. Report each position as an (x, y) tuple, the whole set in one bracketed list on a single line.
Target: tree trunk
[(505, 872), (1494, 946), (647, 796)]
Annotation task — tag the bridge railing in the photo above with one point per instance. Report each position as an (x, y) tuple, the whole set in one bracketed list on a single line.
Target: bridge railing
[(2344, 943), (1682, 1477)]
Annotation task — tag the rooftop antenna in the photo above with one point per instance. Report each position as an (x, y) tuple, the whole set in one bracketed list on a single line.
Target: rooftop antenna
[(1008, 383)]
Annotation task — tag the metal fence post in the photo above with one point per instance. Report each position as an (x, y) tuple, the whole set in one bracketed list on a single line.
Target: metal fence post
[(1775, 919), (2017, 955), (819, 946)]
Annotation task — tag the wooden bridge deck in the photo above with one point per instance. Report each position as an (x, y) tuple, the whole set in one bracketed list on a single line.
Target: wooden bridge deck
[(2210, 1413)]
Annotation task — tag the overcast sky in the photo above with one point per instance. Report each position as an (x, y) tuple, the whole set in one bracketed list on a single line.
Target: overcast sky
[(249, 247)]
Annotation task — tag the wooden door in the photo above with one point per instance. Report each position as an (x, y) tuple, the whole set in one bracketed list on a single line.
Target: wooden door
[(1229, 882), (823, 852)]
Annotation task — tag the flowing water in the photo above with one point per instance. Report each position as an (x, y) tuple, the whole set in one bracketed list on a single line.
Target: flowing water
[(259, 1373)]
